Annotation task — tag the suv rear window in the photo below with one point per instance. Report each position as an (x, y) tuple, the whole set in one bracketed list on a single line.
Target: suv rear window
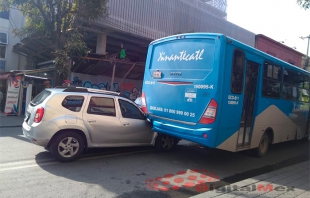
[(40, 98), (73, 103)]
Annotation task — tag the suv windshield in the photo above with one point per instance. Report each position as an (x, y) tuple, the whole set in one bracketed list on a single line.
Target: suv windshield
[(40, 98)]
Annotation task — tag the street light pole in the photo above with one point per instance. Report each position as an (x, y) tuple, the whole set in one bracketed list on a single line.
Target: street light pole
[(307, 56)]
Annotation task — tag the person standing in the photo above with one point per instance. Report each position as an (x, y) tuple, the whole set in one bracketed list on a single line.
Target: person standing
[(122, 54)]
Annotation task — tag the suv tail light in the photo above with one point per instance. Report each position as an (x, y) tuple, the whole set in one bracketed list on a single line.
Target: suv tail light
[(143, 103), (39, 115), (210, 113)]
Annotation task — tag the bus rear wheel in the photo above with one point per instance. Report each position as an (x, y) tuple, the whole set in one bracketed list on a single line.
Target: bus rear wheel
[(262, 148)]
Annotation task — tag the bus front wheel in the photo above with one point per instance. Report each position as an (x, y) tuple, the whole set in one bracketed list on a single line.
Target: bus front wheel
[(165, 142), (262, 148)]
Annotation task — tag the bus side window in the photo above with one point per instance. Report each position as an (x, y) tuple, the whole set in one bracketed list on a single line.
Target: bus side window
[(272, 78), (289, 90), (303, 88), (237, 72)]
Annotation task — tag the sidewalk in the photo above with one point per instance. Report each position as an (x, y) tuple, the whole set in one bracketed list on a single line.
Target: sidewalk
[(11, 121), (292, 181)]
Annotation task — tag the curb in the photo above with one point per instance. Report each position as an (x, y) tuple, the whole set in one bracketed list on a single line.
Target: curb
[(11, 126)]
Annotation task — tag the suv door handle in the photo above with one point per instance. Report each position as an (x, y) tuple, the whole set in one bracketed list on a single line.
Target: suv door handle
[(126, 124), (91, 121)]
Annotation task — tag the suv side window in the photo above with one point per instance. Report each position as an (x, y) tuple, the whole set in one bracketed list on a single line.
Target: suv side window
[(130, 111), (101, 106), (73, 103)]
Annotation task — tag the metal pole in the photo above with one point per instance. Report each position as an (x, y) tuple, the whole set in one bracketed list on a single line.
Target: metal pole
[(307, 55), (113, 75), (21, 94)]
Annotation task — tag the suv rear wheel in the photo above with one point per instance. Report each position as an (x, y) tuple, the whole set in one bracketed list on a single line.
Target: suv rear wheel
[(165, 142), (67, 146)]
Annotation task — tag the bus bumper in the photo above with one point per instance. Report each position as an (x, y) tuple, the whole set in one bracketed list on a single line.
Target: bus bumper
[(203, 136)]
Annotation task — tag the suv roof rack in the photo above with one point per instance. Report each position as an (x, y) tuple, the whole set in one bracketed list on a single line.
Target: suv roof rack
[(90, 90)]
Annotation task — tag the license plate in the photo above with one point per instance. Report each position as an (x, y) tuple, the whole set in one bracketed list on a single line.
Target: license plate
[(157, 74)]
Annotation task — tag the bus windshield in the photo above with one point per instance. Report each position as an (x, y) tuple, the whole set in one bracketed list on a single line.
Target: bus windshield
[(184, 55)]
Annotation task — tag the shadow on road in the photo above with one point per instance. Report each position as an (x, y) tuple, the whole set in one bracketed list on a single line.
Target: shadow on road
[(14, 132), (125, 171)]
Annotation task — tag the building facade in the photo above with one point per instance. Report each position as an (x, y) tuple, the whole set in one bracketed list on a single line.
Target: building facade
[(13, 64), (277, 49), (155, 19), (9, 59)]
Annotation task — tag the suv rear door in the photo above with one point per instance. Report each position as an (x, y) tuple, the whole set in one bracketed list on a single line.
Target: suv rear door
[(101, 119)]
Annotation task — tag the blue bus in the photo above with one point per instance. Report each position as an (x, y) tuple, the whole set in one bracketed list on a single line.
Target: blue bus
[(218, 92)]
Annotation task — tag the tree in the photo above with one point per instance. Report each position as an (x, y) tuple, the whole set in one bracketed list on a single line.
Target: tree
[(304, 3), (56, 21)]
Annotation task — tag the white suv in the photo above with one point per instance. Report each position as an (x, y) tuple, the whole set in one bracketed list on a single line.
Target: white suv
[(67, 121)]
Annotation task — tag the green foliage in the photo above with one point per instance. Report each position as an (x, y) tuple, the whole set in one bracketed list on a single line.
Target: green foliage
[(56, 19), (73, 46), (304, 3)]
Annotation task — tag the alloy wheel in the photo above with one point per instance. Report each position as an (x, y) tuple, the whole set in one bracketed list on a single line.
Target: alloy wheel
[(68, 147)]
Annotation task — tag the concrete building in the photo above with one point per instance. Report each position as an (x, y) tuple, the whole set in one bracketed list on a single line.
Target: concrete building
[(14, 64), (9, 59)]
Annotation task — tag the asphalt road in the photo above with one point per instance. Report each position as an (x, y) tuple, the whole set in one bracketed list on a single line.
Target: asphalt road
[(27, 170)]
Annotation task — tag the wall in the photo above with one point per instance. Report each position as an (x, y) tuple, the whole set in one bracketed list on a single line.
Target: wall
[(278, 50), (4, 28), (13, 61), (131, 88), (154, 19)]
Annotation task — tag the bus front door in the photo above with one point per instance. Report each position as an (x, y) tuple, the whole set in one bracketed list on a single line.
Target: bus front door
[(246, 124)]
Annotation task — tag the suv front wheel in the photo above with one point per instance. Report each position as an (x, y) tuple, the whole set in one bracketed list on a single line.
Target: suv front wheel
[(67, 146)]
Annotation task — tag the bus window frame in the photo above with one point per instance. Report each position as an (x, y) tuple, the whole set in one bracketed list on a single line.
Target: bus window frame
[(301, 88), (272, 79), (232, 71), (289, 85)]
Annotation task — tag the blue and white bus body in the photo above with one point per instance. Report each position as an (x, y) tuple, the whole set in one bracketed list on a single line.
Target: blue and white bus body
[(188, 93)]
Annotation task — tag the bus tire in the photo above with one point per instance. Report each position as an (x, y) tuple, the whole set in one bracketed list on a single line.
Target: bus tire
[(165, 142), (262, 148)]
